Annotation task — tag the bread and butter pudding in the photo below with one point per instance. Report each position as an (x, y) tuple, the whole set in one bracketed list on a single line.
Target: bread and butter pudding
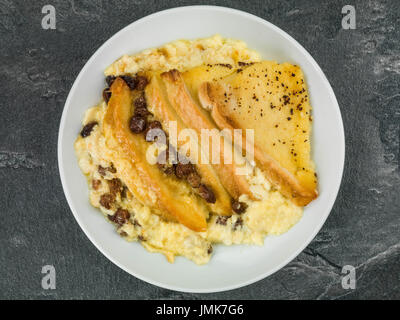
[(182, 206)]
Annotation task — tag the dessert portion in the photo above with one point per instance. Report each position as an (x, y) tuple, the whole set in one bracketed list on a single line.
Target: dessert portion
[(161, 108), (190, 112), (179, 196), (164, 193), (271, 99)]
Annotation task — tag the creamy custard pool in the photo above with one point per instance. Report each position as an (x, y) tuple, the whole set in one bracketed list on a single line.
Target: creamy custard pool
[(272, 214)]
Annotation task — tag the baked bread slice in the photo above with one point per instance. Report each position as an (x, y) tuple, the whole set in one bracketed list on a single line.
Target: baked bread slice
[(272, 99), (161, 108), (194, 77), (165, 194), (232, 174)]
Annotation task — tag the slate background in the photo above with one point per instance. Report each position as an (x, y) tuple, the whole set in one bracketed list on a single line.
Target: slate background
[(37, 228)]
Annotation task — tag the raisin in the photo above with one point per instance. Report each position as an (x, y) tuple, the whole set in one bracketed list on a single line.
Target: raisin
[(106, 200), (141, 238), (141, 82), (115, 185), (151, 132), (169, 170), (123, 233), (112, 168), (206, 193), (194, 179), (87, 129), (238, 223), (137, 124), (210, 249), (142, 112), (96, 184), (136, 223), (140, 102), (130, 81), (182, 170), (222, 220), (124, 192), (239, 207), (165, 167), (103, 171), (155, 125), (120, 216), (110, 80), (106, 94)]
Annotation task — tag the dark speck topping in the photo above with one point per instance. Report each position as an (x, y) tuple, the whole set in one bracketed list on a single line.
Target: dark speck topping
[(242, 64), (286, 100), (226, 65)]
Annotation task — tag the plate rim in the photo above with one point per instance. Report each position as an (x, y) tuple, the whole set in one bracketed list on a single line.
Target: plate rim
[(333, 195)]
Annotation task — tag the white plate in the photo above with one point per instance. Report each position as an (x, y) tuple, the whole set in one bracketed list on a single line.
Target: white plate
[(230, 267)]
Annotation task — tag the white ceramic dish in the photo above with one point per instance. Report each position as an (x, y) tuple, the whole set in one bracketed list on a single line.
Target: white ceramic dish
[(230, 267)]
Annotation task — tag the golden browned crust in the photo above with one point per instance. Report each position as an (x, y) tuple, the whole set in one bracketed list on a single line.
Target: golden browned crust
[(149, 185), (196, 118), (212, 97), (162, 109)]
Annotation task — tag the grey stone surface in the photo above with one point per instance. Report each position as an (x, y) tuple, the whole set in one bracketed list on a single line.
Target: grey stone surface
[(37, 228)]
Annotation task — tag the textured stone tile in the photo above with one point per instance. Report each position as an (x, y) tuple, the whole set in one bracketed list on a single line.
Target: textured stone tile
[(37, 70)]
